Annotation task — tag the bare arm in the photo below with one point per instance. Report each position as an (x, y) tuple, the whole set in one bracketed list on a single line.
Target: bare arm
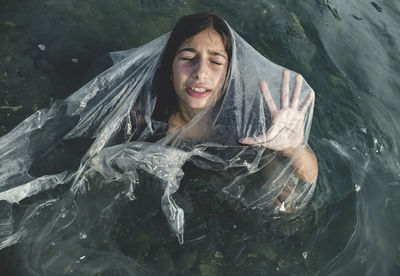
[(305, 163)]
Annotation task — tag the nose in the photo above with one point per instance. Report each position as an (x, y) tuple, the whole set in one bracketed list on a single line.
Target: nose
[(200, 70)]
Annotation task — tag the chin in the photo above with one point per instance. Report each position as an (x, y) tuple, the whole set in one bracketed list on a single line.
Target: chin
[(198, 104)]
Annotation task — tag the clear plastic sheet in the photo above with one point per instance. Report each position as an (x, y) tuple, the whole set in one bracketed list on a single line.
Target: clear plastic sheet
[(80, 164)]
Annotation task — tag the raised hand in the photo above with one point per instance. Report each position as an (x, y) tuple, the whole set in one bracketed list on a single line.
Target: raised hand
[(286, 132)]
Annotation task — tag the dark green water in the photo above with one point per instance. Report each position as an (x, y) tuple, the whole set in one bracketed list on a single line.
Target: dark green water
[(349, 54)]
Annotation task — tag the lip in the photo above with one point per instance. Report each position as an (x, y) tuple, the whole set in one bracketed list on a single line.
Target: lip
[(198, 85), (196, 94)]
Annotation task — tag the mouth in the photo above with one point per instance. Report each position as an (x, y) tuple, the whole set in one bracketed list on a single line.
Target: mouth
[(198, 92)]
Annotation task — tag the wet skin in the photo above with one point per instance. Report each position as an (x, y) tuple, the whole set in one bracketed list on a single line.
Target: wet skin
[(198, 72)]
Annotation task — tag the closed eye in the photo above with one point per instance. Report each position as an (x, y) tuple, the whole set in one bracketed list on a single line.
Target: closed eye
[(216, 62), (185, 58)]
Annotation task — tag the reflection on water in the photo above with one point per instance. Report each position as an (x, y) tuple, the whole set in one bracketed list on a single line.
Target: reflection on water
[(348, 52)]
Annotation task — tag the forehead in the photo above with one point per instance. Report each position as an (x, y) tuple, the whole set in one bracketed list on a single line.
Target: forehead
[(207, 39)]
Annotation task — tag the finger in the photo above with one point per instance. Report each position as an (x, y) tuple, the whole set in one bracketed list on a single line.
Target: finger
[(307, 101), (285, 89), (258, 140), (296, 91), (267, 97)]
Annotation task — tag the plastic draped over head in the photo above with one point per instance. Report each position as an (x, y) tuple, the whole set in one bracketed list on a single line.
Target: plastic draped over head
[(126, 155)]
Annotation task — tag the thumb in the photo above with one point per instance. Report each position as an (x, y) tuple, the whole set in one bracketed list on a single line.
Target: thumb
[(252, 140)]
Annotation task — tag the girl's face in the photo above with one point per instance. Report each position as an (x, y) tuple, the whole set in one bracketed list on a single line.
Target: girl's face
[(199, 70)]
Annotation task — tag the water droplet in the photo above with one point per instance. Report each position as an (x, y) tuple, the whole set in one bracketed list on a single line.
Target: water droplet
[(357, 187), (305, 254), (82, 236), (75, 60)]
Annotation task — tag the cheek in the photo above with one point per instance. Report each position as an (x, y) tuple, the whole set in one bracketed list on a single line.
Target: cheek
[(179, 73), (220, 74), (175, 77)]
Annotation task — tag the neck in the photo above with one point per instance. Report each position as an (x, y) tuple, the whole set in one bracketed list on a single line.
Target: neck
[(187, 114)]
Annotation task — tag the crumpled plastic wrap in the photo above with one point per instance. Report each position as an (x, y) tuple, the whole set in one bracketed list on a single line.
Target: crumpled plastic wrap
[(75, 166)]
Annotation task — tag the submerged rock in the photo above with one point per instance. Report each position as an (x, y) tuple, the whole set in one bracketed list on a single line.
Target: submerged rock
[(14, 82), (185, 262), (263, 249), (44, 65), (163, 264)]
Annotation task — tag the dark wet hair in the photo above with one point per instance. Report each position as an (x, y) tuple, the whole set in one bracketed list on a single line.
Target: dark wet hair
[(186, 27)]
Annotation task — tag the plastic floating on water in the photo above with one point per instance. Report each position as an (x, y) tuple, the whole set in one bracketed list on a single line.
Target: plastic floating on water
[(283, 207), (357, 188), (305, 254), (364, 129), (42, 47), (75, 60)]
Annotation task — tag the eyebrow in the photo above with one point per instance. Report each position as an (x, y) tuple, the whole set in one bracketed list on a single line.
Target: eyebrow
[(192, 50)]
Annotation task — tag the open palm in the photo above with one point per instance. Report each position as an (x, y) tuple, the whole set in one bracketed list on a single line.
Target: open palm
[(286, 132)]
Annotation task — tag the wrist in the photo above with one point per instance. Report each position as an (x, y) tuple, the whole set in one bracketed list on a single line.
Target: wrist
[(293, 151)]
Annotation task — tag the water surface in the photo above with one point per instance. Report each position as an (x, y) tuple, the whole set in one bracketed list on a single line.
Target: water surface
[(348, 52)]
